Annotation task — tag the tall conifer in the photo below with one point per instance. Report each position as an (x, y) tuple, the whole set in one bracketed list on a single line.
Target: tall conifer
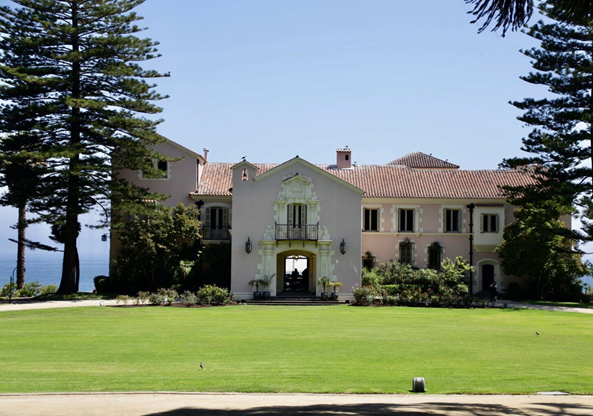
[(70, 74), (561, 139)]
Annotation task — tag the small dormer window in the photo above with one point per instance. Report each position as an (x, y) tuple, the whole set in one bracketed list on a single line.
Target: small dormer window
[(244, 175), (163, 166)]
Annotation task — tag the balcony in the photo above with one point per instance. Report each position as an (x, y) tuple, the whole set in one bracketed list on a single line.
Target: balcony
[(288, 232), (216, 232)]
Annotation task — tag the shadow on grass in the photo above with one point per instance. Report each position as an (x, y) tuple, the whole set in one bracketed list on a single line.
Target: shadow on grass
[(461, 409)]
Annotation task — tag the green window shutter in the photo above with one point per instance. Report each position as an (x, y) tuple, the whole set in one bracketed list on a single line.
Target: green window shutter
[(482, 223), (225, 217), (290, 213), (207, 216), (497, 222)]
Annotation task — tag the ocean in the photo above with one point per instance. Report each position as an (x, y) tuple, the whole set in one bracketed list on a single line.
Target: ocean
[(46, 268)]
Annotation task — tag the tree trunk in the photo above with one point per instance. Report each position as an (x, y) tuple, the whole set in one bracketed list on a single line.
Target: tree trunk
[(69, 282), (20, 262)]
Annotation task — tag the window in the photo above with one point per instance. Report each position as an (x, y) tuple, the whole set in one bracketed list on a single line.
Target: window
[(435, 255), (489, 223), (162, 166), (406, 252), (406, 220), (216, 223), (371, 219), (452, 220), (297, 221)]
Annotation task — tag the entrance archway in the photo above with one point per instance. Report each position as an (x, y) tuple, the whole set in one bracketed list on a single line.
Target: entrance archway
[(488, 272), (302, 280)]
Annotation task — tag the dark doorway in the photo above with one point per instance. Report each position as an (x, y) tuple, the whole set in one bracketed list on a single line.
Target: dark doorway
[(487, 276), (296, 274)]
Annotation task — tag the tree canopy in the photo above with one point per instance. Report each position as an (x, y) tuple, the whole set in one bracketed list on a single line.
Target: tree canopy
[(514, 14), (71, 77), (560, 142), (533, 247)]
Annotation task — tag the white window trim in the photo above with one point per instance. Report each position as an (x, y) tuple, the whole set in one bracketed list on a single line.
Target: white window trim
[(482, 223), (462, 220), (414, 251), (380, 219)]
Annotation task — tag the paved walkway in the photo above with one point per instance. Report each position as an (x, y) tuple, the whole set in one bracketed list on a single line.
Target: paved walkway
[(192, 404), (511, 304), (25, 305), (22, 305)]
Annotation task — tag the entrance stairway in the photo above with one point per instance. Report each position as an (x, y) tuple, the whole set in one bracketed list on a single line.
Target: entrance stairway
[(293, 300)]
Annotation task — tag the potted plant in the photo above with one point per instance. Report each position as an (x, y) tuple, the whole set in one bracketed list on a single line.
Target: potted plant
[(334, 295), (256, 282), (325, 281), (266, 281)]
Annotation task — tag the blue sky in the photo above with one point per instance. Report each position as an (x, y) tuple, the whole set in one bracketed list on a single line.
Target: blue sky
[(273, 79)]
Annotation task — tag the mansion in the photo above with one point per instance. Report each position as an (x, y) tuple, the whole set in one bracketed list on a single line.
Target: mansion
[(416, 209)]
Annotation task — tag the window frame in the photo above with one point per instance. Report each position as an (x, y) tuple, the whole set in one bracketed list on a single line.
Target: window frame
[(400, 218), (369, 227), (486, 224), (407, 245), (155, 163), (446, 213)]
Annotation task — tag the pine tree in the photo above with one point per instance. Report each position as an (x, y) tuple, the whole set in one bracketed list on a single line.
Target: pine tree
[(71, 76), (513, 14), (534, 247), (561, 141), (21, 176)]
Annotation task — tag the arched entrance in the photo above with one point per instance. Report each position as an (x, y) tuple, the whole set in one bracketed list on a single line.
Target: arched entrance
[(296, 272), (488, 272)]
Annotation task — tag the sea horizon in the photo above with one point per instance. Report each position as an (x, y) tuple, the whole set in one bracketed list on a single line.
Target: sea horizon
[(46, 268)]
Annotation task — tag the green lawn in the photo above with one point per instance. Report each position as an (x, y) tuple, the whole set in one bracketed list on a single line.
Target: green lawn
[(295, 349)]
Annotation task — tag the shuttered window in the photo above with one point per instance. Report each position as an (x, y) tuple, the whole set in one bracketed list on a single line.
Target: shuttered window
[(489, 223), (452, 220)]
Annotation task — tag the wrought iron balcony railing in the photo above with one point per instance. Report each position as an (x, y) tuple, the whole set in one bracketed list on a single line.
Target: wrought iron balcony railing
[(308, 232), (216, 232)]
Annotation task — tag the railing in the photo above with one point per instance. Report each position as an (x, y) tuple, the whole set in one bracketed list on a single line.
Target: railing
[(308, 232), (214, 232)]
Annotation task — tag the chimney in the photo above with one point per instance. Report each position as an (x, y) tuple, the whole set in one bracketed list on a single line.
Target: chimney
[(344, 158), (206, 154)]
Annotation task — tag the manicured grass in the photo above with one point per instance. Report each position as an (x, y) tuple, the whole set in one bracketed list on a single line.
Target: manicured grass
[(295, 349), (567, 304)]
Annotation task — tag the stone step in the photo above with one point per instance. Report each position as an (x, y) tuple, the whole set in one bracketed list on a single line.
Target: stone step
[(311, 303), (293, 301)]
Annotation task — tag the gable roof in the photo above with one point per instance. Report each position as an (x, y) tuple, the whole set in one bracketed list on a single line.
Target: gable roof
[(390, 181), (310, 165), (419, 160), (184, 149)]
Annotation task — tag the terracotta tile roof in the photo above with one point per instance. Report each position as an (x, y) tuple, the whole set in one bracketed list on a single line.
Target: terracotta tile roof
[(419, 160), (388, 181)]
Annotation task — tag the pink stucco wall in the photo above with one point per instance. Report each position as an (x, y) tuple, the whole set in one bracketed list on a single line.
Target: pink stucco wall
[(254, 212), (182, 180)]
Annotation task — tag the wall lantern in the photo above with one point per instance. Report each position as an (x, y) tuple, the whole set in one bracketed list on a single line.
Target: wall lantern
[(104, 237), (343, 247), (248, 246)]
